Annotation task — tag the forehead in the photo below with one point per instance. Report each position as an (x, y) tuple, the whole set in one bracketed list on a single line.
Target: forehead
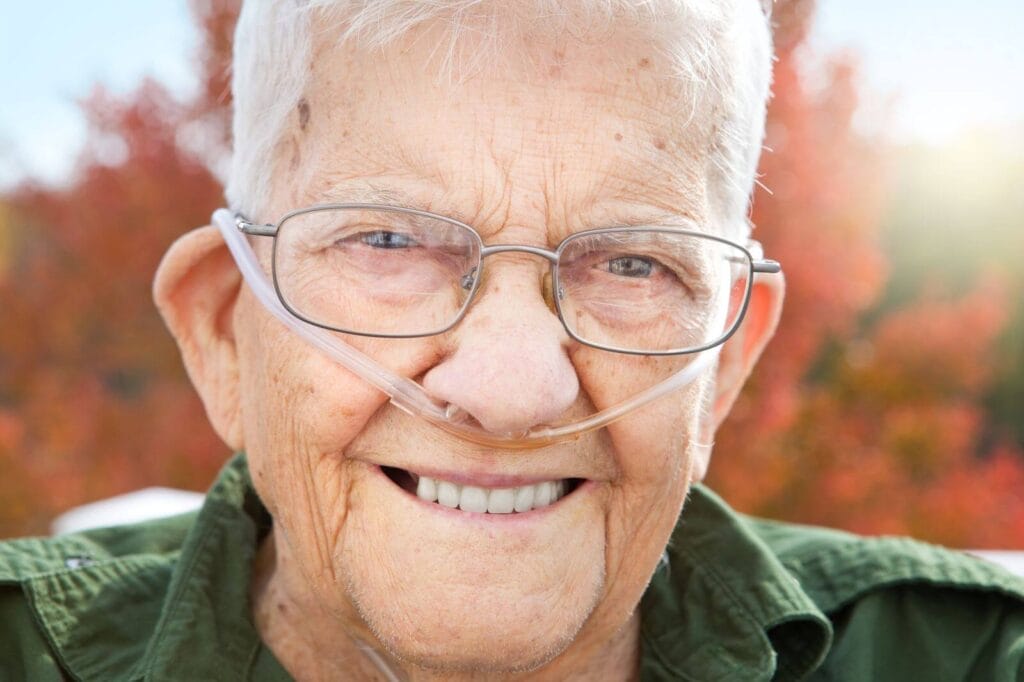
[(569, 132)]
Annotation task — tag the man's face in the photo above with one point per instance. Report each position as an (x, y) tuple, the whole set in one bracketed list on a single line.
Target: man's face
[(555, 140)]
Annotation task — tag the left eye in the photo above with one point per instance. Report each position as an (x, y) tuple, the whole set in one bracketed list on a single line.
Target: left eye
[(631, 266), (383, 239)]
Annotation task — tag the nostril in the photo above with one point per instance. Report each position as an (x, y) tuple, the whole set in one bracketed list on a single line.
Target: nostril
[(457, 415), (460, 417), (510, 403), (507, 416)]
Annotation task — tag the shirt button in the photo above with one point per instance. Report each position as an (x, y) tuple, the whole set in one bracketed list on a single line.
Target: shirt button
[(78, 561)]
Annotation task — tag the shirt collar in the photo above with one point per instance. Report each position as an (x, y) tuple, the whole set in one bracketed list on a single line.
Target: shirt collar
[(212, 578), (723, 605), (94, 614)]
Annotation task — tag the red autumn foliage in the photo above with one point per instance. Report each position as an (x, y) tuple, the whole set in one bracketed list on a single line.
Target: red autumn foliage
[(92, 396), (874, 427)]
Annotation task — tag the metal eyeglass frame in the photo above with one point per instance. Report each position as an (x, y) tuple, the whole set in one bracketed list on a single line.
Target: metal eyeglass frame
[(410, 396), (553, 257)]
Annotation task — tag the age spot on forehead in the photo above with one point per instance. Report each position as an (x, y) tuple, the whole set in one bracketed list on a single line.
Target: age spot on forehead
[(644, 63), (303, 108), (659, 144)]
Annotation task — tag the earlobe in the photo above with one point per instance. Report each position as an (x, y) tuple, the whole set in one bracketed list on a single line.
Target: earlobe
[(195, 289), (741, 352)]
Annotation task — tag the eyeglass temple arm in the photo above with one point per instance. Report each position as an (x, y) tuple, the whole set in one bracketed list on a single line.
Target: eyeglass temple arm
[(254, 229), (759, 262)]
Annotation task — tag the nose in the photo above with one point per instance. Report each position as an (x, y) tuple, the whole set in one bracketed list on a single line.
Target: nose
[(508, 368)]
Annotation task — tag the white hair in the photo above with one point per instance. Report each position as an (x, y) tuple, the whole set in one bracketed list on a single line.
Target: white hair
[(720, 47)]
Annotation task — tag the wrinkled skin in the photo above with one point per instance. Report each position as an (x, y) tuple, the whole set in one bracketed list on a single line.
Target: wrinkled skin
[(558, 139)]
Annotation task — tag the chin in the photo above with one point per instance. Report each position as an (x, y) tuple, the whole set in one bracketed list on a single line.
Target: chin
[(493, 632), (489, 650)]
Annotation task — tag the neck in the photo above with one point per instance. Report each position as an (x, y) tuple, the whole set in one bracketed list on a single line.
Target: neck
[(315, 643)]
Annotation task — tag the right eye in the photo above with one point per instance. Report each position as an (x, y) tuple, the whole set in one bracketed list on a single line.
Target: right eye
[(384, 239), (631, 266)]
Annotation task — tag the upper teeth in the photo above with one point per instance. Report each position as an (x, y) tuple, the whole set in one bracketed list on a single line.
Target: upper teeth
[(472, 498)]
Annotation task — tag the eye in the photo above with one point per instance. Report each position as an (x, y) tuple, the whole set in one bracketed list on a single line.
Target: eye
[(631, 266), (383, 239)]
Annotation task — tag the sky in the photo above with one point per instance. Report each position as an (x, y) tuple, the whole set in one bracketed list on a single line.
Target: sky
[(52, 54), (946, 65), (941, 66)]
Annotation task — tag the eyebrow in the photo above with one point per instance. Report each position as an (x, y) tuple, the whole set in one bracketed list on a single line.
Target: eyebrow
[(659, 220), (642, 214), (359, 191), (363, 193)]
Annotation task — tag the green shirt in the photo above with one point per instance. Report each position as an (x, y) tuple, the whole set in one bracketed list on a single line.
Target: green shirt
[(736, 599)]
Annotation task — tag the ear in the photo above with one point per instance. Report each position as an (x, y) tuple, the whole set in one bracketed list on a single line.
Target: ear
[(195, 289), (741, 351)]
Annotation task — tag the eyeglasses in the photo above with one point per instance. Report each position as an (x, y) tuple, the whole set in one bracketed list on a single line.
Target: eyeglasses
[(396, 272)]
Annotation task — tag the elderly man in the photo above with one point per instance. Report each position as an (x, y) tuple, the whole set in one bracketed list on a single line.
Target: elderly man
[(483, 294)]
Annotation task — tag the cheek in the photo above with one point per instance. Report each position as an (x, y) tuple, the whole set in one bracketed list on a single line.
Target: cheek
[(664, 430), (294, 397), (656, 449), (300, 410), (287, 422), (611, 378)]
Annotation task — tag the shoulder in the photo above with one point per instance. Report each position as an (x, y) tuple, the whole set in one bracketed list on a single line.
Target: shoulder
[(903, 609), (100, 589), (835, 567)]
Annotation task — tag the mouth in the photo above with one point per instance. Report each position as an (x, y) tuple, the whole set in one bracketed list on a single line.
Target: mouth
[(481, 500)]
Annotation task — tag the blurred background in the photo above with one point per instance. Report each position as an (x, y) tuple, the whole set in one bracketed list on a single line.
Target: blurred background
[(891, 401)]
